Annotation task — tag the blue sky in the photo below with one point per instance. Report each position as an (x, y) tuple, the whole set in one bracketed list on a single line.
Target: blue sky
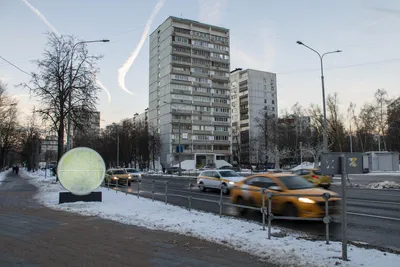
[(263, 36)]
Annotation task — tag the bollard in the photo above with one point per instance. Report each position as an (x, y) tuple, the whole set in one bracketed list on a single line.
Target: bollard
[(269, 195), (220, 202), (190, 196), (152, 192), (138, 189), (166, 192), (327, 219), (263, 208)]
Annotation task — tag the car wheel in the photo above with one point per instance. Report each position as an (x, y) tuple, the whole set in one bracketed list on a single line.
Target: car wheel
[(240, 201), (326, 186), (202, 187), (291, 210), (224, 189)]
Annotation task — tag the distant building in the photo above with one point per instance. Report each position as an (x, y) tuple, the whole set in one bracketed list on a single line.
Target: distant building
[(301, 124), (253, 93), (189, 89), (142, 117), (49, 148)]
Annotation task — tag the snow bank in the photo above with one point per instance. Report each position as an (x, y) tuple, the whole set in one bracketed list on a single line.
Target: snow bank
[(3, 175), (384, 185), (304, 165), (235, 233)]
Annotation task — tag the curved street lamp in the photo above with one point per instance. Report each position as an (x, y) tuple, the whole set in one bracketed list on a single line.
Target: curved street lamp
[(321, 57)]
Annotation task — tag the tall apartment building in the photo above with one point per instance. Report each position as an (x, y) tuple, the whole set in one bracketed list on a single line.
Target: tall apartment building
[(189, 87), (252, 92)]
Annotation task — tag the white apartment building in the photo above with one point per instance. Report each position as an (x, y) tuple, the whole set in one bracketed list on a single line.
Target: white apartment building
[(189, 87), (251, 92)]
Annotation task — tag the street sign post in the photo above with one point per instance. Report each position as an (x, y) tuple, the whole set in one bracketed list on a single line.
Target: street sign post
[(342, 163)]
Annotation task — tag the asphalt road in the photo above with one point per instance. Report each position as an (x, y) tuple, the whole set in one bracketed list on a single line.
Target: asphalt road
[(373, 215)]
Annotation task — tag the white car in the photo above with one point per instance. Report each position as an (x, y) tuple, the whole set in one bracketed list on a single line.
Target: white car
[(135, 174), (218, 179)]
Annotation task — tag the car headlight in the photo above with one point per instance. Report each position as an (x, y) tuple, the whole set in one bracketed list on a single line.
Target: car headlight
[(115, 177), (306, 200), (231, 183)]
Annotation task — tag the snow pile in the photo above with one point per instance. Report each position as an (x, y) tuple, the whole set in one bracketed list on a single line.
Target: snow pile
[(304, 165), (384, 185), (235, 233), (3, 175)]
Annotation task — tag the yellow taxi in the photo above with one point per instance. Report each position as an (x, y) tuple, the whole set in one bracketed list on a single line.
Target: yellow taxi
[(315, 176), (284, 183), (118, 176)]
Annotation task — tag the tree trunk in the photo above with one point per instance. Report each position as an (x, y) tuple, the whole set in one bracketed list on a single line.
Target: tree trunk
[(60, 140)]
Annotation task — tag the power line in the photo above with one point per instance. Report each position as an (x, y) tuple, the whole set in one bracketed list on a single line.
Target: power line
[(341, 67), (15, 66)]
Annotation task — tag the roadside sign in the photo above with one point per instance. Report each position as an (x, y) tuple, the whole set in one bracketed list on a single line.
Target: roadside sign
[(331, 164)]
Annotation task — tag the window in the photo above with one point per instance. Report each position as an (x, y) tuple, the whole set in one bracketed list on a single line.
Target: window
[(220, 65), (201, 99), (219, 39), (223, 119), (181, 49), (201, 62), (201, 53), (273, 101), (221, 129), (296, 182), (181, 58), (181, 87), (221, 110), (179, 77), (265, 101), (181, 39), (182, 97), (202, 89), (185, 31), (220, 100), (199, 70), (201, 108), (201, 34), (221, 138), (262, 182), (200, 43)]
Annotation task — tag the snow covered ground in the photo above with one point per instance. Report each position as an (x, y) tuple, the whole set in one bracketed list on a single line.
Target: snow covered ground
[(235, 233), (380, 185), (304, 165)]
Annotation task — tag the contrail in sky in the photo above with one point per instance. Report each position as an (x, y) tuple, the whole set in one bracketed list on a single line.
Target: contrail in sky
[(53, 29), (43, 18), (128, 63)]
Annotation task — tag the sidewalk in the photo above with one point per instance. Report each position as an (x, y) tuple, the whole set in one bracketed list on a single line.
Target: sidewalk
[(33, 235)]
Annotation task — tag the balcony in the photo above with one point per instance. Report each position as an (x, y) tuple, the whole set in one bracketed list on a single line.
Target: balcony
[(183, 34), (201, 122), (181, 53), (199, 74), (200, 56), (220, 86), (201, 132), (180, 101), (224, 114), (221, 123), (181, 63), (181, 44), (220, 68), (219, 78), (181, 111), (243, 88), (221, 105), (185, 72), (182, 121), (182, 141), (200, 103), (201, 93)]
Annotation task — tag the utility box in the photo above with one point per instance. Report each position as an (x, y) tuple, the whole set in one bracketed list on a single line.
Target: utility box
[(381, 161)]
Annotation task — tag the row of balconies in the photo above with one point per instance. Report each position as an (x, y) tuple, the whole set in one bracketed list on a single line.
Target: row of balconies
[(200, 38)]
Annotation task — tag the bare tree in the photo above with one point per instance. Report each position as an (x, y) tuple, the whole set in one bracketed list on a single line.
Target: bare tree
[(382, 101), (276, 155), (393, 121), (336, 132), (52, 85), (267, 124), (236, 145), (313, 151), (30, 141)]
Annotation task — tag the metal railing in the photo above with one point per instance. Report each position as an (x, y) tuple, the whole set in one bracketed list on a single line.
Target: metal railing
[(265, 209)]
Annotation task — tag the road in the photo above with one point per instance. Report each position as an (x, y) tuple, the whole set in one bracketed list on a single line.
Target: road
[(382, 231)]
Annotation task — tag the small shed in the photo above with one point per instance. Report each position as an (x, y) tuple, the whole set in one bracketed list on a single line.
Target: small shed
[(381, 161)]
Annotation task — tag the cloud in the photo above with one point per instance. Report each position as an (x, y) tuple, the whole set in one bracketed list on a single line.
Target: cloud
[(43, 18), (128, 63), (211, 10)]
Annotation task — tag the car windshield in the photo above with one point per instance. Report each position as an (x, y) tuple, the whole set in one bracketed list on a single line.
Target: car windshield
[(119, 172), (296, 182), (131, 170), (317, 172), (229, 174)]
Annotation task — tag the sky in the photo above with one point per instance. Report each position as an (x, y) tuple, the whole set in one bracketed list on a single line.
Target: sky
[(263, 36)]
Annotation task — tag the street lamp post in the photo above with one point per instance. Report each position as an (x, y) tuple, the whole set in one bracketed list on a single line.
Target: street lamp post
[(321, 57), (70, 88), (179, 139), (301, 153)]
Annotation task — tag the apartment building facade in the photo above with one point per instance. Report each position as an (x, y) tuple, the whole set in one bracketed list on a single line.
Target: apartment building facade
[(253, 93), (189, 91)]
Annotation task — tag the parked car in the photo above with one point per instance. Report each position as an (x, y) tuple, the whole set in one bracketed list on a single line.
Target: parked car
[(218, 179), (284, 183), (173, 170), (118, 176), (315, 176), (136, 175)]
